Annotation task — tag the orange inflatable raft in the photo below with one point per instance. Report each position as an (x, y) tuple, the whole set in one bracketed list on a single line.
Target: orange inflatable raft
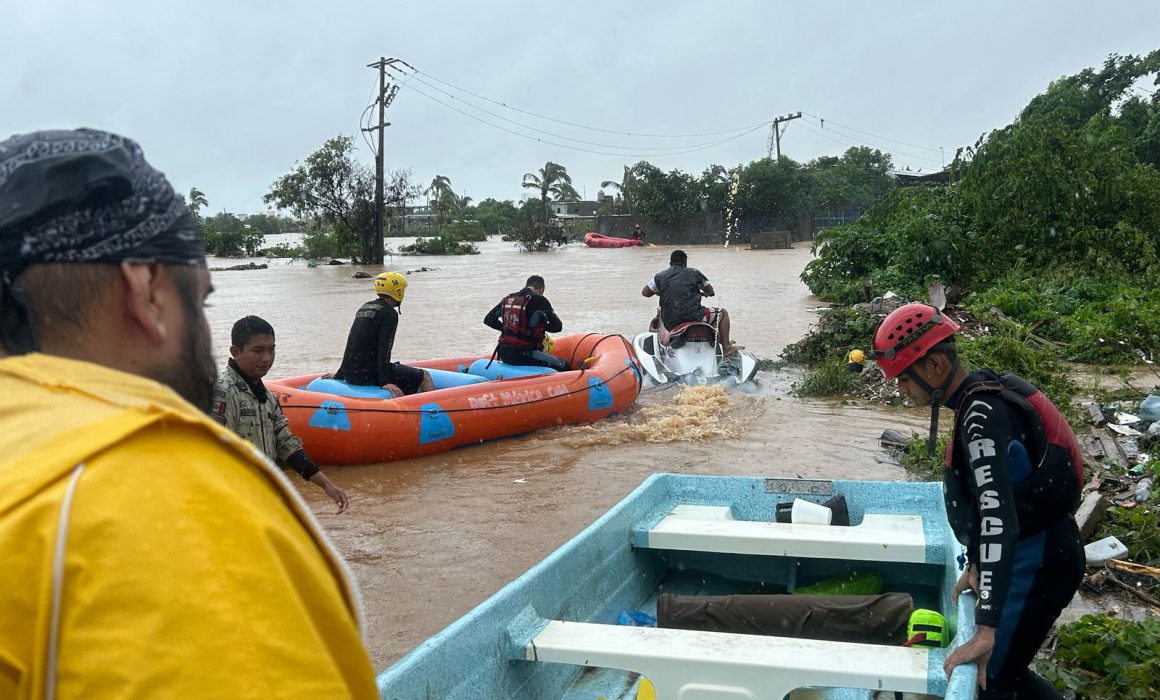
[(597, 240), (344, 429)]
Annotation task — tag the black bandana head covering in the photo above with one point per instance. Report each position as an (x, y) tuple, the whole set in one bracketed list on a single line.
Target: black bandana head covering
[(82, 196)]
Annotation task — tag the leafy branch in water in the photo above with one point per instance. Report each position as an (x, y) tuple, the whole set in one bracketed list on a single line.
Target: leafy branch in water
[(1101, 657)]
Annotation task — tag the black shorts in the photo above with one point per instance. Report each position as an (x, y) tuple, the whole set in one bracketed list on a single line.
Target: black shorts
[(406, 378), (526, 357)]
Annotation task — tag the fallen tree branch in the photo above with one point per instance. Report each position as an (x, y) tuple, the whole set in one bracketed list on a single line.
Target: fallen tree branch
[(1034, 336), (1136, 592), (1133, 568)]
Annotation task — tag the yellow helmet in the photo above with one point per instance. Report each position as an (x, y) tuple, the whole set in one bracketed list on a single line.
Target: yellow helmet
[(548, 344), (392, 284)]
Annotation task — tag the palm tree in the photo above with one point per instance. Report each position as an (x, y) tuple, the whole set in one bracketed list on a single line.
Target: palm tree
[(440, 196), (625, 189), (566, 193), (552, 179), (197, 200), (461, 204)]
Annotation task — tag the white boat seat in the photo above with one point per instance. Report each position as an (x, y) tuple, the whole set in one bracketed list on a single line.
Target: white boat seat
[(693, 665), (879, 537)]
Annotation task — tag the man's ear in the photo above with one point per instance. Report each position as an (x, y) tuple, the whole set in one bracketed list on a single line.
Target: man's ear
[(235, 351), (939, 364), (144, 301)]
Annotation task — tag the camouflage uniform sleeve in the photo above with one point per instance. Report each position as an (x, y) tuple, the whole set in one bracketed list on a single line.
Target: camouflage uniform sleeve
[(285, 441), (225, 403)]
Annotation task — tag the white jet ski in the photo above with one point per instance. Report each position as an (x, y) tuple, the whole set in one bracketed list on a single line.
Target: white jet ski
[(689, 353)]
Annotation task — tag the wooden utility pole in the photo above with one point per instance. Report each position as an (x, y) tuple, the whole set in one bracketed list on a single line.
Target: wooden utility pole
[(385, 97), (775, 132)]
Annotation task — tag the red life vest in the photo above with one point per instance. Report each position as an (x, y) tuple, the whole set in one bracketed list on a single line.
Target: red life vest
[(1053, 489), (516, 330)]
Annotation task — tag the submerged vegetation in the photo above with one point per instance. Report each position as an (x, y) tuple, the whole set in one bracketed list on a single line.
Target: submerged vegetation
[(1047, 242)]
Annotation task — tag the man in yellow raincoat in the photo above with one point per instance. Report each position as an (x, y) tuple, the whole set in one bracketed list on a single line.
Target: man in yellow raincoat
[(148, 552)]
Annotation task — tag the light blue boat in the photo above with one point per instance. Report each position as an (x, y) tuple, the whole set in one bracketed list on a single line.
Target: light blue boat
[(553, 632)]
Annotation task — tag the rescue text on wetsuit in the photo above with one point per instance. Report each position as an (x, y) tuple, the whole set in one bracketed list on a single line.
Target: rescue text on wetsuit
[(986, 430)]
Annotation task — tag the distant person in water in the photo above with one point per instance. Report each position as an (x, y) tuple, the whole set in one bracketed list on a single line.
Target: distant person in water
[(242, 404), (638, 233), (680, 288), (523, 318), (367, 359)]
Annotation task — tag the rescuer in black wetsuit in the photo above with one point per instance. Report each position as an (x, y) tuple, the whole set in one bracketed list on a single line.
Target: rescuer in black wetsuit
[(367, 358), (1011, 485), (522, 318)]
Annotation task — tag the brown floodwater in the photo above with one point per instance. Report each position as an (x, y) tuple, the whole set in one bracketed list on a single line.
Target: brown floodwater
[(430, 538)]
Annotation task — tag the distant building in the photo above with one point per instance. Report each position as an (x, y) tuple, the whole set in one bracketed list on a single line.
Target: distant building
[(574, 210), (419, 216), (911, 178)]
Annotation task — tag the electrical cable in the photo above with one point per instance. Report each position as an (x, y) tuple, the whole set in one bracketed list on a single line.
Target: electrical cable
[(589, 128), (561, 136), (679, 150), (848, 145), (364, 121), (867, 133)]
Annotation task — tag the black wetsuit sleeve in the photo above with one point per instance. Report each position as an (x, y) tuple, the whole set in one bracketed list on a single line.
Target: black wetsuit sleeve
[(388, 324), (494, 318), (986, 429), (553, 324), (301, 463)]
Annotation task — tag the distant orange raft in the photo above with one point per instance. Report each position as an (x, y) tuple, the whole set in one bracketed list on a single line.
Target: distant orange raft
[(350, 430)]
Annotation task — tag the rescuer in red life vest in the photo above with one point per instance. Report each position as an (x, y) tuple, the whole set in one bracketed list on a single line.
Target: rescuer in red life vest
[(1012, 482), (522, 319)]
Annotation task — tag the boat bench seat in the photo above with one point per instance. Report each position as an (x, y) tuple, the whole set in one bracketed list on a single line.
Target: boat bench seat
[(695, 665), (879, 537)]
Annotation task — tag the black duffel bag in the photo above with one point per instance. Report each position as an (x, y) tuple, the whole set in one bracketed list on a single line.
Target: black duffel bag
[(871, 619)]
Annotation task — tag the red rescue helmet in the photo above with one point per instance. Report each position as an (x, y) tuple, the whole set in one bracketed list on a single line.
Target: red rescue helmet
[(908, 333)]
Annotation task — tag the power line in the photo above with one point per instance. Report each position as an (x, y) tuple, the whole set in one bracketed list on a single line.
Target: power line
[(878, 146), (671, 152), (844, 144), (560, 136), (867, 133), (590, 128), (364, 121), (775, 132)]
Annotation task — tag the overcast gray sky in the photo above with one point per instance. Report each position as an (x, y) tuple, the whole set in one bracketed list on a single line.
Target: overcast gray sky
[(228, 95)]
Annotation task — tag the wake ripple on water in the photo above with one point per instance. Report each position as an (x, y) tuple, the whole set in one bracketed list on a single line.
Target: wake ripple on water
[(696, 414)]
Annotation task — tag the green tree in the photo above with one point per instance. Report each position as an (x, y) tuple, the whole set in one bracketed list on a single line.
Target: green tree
[(228, 236), (773, 192), (336, 192), (197, 200), (532, 233), (625, 189), (552, 179), (855, 181), (441, 197), (262, 223), (399, 190), (714, 186), (663, 198), (496, 217)]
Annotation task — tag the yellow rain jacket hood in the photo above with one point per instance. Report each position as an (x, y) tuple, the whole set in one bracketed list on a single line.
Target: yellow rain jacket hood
[(148, 552)]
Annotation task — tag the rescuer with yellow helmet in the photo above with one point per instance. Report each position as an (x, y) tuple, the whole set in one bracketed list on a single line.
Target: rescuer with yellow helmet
[(367, 359)]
